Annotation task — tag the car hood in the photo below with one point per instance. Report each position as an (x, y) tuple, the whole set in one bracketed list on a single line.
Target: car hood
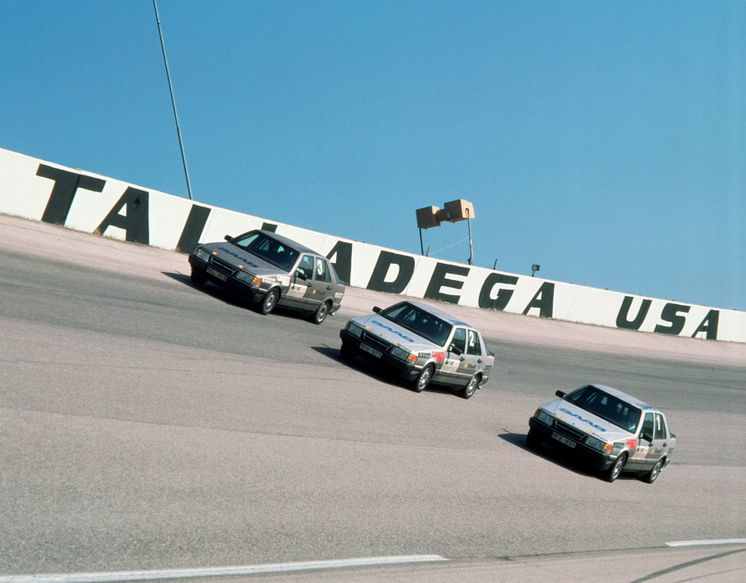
[(395, 334), (239, 257), (584, 420)]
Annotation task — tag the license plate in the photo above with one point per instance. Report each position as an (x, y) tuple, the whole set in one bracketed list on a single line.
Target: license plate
[(216, 273), (563, 439), (371, 351)]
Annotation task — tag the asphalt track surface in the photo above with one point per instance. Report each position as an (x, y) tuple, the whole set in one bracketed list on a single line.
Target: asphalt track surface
[(148, 424)]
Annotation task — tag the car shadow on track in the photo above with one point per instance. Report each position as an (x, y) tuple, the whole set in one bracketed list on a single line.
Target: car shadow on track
[(556, 455), (369, 369), (228, 297)]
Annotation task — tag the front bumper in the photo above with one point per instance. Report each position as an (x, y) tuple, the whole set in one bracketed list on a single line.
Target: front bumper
[(406, 370), (589, 455), (242, 288)]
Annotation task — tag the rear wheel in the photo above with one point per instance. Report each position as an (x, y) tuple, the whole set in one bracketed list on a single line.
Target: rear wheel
[(269, 301), (653, 474), (616, 469), (424, 378), (321, 313), (471, 387)]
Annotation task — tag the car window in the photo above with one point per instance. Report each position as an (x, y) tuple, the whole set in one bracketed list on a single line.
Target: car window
[(661, 431), (321, 273), (305, 267), (647, 424), (268, 248), (459, 340), (473, 346), (419, 321), (606, 406)]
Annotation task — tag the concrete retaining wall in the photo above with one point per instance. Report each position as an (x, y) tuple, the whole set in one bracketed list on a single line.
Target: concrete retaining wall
[(81, 200)]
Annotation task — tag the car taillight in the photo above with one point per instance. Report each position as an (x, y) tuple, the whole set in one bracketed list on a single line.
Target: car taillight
[(631, 443), (439, 355)]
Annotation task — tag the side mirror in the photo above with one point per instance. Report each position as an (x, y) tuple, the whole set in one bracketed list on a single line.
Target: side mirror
[(646, 436), (561, 394), (376, 309), (300, 274), (228, 238), (455, 349)]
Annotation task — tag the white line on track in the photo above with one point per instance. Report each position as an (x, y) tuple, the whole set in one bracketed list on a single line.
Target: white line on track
[(110, 577), (701, 543)]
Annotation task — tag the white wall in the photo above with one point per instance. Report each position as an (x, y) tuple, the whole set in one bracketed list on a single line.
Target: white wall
[(81, 200)]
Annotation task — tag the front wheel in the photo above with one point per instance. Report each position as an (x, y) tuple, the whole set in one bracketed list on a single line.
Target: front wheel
[(471, 387), (269, 301), (424, 378), (321, 313), (198, 278), (533, 439), (653, 474), (615, 470)]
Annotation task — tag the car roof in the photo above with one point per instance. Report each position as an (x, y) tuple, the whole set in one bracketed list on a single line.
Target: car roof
[(439, 313), (622, 395)]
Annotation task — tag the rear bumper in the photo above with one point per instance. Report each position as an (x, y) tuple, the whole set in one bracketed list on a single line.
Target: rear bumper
[(592, 457)]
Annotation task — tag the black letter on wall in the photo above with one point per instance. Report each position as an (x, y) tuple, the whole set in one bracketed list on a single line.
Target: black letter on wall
[(709, 325), (195, 224), (343, 262), (439, 279), (503, 295), (622, 318), (544, 300), (63, 193), (385, 260), (135, 223), (670, 314)]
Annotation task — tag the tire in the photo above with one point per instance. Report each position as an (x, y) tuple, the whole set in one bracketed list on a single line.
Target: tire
[(653, 474), (198, 279), (269, 301), (423, 379), (471, 387), (346, 353), (616, 470), (321, 313), (533, 440)]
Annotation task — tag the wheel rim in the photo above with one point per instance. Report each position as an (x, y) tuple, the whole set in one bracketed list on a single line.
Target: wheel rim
[(270, 300), (424, 378), (321, 313), (655, 471), (617, 469), (472, 386)]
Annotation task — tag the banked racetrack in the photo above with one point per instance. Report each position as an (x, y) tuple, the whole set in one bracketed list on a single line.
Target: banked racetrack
[(149, 425)]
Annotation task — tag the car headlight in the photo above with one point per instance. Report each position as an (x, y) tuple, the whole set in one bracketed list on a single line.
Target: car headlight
[(202, 254), (247, 277), (354, 329), (545, 417), (595, 443), (404, 354)]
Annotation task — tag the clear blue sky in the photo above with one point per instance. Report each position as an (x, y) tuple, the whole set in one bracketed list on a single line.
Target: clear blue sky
[(605, 141)]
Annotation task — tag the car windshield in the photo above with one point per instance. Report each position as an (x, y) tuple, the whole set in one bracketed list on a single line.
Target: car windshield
[(268, 248), (419, 321), (606, 406)]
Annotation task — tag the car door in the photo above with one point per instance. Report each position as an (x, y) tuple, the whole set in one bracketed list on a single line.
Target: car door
[(319, 285), (659, 447), (449, 372), (640, 460), (299, 282), (472, 361)]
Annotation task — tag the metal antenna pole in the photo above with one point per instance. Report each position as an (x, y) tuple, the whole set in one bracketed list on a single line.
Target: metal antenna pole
[(471, 245), (173, 101)]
